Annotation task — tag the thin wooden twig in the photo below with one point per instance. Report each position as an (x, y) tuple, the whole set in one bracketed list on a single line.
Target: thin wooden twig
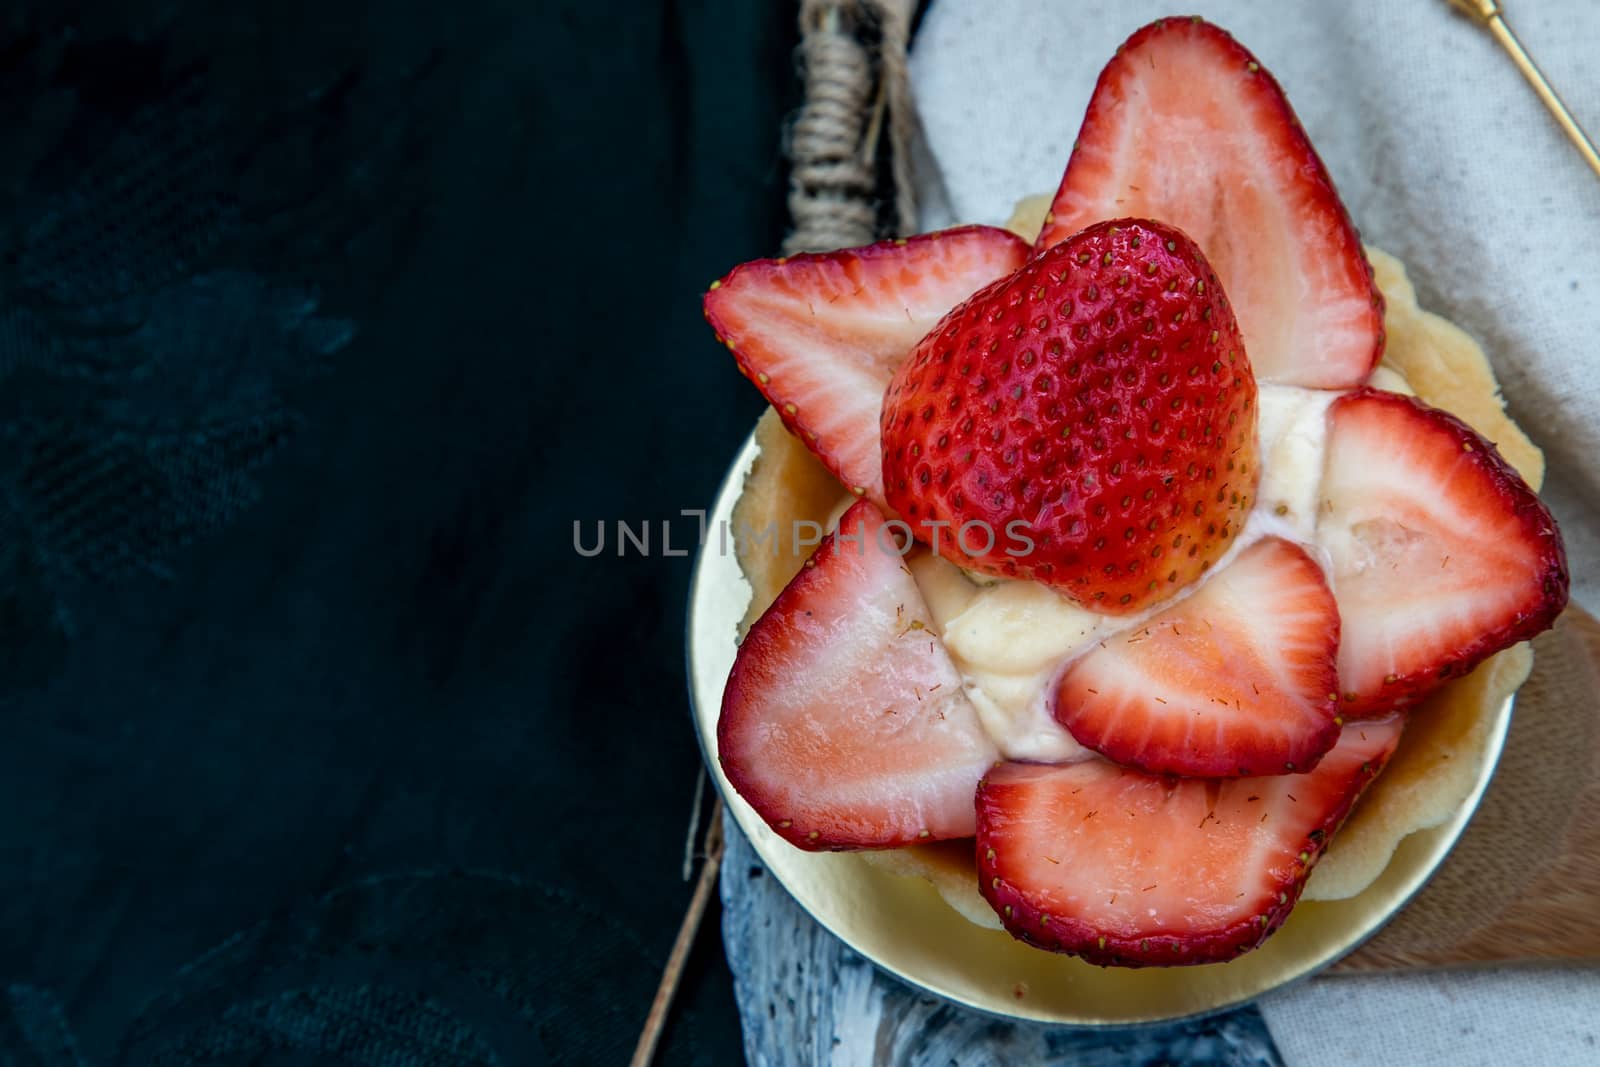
[(691, 836), (644, 1052)]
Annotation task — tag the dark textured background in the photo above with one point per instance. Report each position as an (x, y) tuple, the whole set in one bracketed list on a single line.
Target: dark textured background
[(320, 323)]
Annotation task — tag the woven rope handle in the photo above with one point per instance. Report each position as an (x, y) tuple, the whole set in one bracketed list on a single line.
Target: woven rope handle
[(857, 107)]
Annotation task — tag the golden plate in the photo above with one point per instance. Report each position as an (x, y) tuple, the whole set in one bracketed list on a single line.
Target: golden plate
[(904, 927)]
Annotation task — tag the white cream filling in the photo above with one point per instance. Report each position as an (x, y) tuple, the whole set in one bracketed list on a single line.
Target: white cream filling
[(1010, 639)]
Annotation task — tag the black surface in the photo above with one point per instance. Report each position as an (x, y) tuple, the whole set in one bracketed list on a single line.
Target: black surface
[(321, 325)]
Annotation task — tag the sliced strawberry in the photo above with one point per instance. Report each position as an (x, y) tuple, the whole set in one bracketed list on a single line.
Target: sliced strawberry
[(1087, 422), (821, 334), (1186, 127), (844, 723), (1441, 553), (1130, 869), (1236, 679)]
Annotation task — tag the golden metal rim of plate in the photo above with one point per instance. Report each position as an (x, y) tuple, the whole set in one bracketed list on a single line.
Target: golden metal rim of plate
[(906, 929)]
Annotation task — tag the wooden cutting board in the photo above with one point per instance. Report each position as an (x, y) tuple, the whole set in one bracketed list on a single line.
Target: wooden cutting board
[(1523, 883)]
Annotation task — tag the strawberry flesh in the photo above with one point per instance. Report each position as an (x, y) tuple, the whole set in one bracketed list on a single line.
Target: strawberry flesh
[(1442, 554), (1087, 422), (844, 722), (1131, 869), (1187, 127), (821, 334), (1236, 679)]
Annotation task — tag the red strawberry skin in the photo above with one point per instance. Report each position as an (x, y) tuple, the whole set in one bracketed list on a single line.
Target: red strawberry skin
[(820, 334), (844, 722), (1101, 398), (1187, 127), (1442, 554), (1236, 679), (1128, 869)]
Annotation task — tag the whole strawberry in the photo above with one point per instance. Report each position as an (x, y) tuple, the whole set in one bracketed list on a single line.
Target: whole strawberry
[(1087, 422)]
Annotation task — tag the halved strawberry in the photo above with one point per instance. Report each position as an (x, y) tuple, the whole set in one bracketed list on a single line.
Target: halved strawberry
[(1442, 554), (1236, 679), (1186, 126), (844, 723), (1087, 421), (1130, 869), (821, 334)]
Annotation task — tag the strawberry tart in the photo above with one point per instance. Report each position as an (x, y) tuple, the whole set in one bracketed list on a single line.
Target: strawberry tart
[(1148, 558)]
